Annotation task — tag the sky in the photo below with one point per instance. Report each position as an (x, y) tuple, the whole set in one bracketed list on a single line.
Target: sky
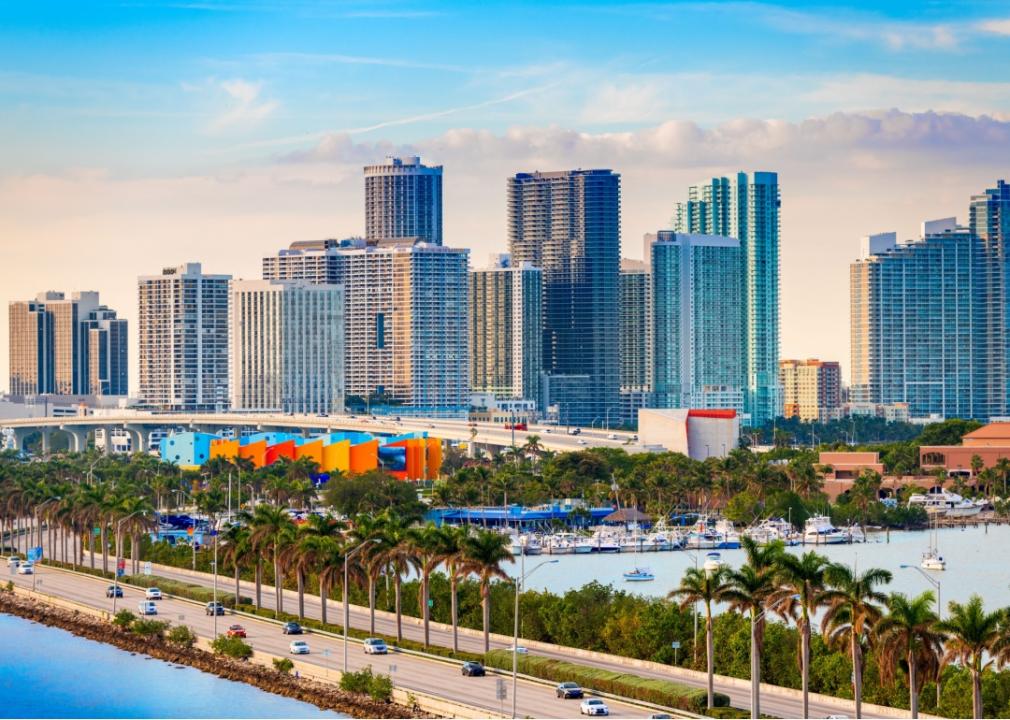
[(141, 134)]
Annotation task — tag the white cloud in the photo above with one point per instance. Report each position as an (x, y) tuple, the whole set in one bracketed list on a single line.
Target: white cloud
[(1000, 26), (244, 104)]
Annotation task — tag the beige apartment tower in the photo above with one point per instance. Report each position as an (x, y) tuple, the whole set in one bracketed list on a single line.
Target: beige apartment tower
[(811, 389)]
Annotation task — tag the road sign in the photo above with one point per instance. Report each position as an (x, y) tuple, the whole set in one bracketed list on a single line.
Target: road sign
[(121, 563), (675, 645), (431, 603), (147, 568), (34, 554), (120, 572), (96, 531)]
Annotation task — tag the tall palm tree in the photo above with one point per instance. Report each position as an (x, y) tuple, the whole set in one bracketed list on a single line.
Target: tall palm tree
[(706, 587), (427, 545), (853, 602), (453, 539), (369, 529), (908, 633), (238, 548), (303, 553), (749, 591), (272, 530), (799, 596), (972, 634), (483, 555), (397, 558)]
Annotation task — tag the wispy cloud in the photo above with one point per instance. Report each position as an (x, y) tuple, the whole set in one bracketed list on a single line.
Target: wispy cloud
[(997, 26), (244, 104), (279, 58)]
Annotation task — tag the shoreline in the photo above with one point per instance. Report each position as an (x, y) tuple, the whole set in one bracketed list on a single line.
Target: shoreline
[(325, 697)]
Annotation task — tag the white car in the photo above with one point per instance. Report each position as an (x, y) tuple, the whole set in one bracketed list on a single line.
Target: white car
[(520, 650), (298, 647), (593, 706), (375, 646), (26, 568), (153, 593), (13, 561), (147, 607), (612, 436), (581, 441)]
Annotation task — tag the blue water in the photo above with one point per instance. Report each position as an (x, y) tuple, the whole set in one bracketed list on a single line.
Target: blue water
[(50, 673)]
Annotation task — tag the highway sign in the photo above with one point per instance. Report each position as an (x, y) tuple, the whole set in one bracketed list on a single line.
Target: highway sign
[(120, 572), (675, 645), (34, 554), (431, 603)]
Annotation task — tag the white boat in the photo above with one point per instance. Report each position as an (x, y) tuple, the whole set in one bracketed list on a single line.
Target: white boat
[(932, 559), (605, 542), (532, 545), (703, 537), (945, 503), (856, 534), (713, 561), (819, 531), (730, 538)]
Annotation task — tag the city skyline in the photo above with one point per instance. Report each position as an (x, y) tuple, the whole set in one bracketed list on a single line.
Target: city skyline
[(254, 135)]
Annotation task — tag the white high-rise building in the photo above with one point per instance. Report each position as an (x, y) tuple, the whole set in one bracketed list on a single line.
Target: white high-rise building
[(287, 346), (403, 200), (183, 336)]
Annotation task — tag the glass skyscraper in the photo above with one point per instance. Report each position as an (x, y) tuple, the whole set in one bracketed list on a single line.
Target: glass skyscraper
[(919, 328), (568, 224), (746, 207), (697, 321)]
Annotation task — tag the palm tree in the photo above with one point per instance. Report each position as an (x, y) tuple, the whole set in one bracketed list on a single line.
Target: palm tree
[(749, 590), (908, 633), (397, 558), (800, 594), (972, 633), (273, 529), (453, 540), (302, 554), (483, 555), (853, 608), (330, 554), (426, 544), (368, 529), (238, 548), (707, 587)]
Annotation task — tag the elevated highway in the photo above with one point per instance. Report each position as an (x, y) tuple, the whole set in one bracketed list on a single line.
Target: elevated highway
[(141, 425)]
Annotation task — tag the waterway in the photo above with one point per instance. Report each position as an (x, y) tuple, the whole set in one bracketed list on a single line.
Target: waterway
[(976, 563), (48, 673)]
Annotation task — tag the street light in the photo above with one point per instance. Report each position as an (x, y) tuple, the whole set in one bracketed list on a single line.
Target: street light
[(694, 556), (347, 610), (520, 582), (939, 609), (115, 572)]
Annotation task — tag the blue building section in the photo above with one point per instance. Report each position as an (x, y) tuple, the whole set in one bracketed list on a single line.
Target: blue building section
[(187, 449), (517, 516)]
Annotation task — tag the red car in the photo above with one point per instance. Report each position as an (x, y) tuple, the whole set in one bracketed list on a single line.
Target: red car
[(516, 426), (236, 631)]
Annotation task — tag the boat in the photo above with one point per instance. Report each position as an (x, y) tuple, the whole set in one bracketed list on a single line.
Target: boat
[(639, 574), (945, 503), (605, 542), (713, 561), (856, 534), (532, 545), (819, 531), (932, 559), (702, 537), (729, 537)]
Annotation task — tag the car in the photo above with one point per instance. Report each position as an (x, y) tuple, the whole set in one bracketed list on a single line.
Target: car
[(13, 561), (471, 668), (153, 593), (298, 647), (113, 591), (215, 608), (569, 690), (593, 706), (581, 441), (520, 650), (147, 607), (235, 631), (375, 646), (547, 430), (26, 568), (612, 436), (574, 431), (291, 628), (661, 716)]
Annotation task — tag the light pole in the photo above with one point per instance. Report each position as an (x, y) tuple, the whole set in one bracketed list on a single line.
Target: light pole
[(939, 609), (115, 572), (347, 609), (694, 556), (755, 678), (520, 582), (214, 533)]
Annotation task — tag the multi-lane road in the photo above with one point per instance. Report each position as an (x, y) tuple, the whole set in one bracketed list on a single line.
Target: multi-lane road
[(773, 702), (426, 675)]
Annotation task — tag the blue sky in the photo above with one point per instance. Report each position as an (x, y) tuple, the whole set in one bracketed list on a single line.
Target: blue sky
[(152, 133)]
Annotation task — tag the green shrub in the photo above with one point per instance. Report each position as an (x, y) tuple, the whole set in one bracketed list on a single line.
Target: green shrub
[(191, 591), (150, 628), (283, 665), (727, 713), (232, 647), (124, 619), (365, 682), (9, 587), (654, 690), (182, 635)]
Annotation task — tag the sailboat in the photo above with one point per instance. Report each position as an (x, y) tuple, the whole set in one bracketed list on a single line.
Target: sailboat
[(639, 573), (932, 559)]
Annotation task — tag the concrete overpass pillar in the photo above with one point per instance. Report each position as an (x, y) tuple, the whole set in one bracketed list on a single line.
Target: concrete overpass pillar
[(47, 436), (21, 436), (140, 438), (78, 438)]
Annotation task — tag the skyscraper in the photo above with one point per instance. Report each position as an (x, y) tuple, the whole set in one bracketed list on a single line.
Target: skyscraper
[(405, 318), (989, 221), (697, 318), (403, 200), (919, 331), (811, 389), (288, 346), (64, 346), (746, 207), (183, 330), (636, 338), (568, 224), (506, 330)]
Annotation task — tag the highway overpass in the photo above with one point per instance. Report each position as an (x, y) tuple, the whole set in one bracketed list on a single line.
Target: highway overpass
[(140, 425)]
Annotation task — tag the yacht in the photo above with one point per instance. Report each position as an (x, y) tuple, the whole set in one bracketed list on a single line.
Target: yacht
[(856, 534), (605, 542), (532, 545), (639, 574), (713, 561), (730, 538), (820, 531), (945, 503), (702, 537)]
